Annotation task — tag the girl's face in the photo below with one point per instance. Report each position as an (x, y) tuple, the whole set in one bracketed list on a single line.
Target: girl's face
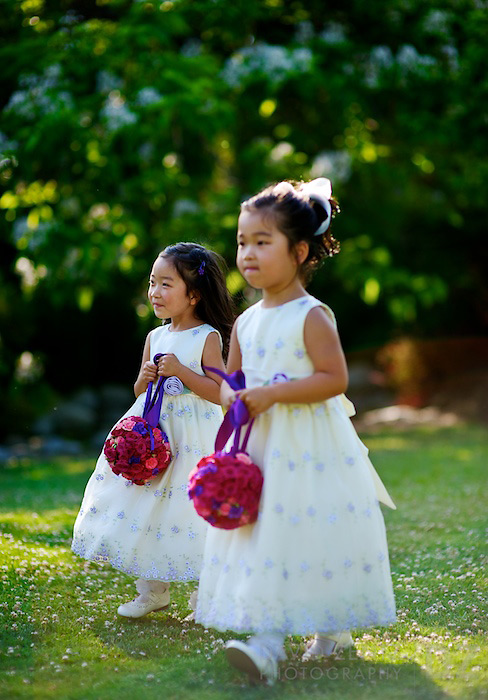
[(264, 257), (168, 293)]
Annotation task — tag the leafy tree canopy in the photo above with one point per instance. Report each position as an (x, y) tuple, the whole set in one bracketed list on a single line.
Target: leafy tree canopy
[(125, 126)]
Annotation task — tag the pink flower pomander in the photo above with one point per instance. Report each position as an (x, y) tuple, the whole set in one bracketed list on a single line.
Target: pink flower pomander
[(128, 450), (226, 489)]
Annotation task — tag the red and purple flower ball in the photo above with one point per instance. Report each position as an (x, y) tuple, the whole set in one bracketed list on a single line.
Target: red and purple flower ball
[(136, 451), (226, 489)]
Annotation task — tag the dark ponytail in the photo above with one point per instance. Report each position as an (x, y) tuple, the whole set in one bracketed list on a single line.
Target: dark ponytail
[(202, 271)]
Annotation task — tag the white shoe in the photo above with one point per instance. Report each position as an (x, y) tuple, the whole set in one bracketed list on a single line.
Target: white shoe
[(259, 665), (192, 604), (322, 645), (145, 603)]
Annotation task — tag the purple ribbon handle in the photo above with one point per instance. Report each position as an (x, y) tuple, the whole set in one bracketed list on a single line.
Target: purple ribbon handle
[(152, 405), (236, 416)]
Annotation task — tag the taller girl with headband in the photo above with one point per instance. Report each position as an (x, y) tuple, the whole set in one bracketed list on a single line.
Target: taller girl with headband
[(316, 560), (152, 532)]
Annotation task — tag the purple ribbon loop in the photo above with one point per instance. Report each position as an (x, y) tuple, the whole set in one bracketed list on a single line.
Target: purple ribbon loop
[(152, 405), (236, 416)]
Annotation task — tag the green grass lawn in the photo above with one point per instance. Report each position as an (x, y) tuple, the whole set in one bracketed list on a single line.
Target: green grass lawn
[(61, 636)]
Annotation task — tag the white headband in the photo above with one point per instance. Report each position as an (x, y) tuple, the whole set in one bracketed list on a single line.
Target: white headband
[(320, 191)]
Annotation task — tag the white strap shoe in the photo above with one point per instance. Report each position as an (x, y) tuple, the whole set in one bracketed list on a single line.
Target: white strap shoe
[(258, 664), (322, 645), (192, 603), (148, 601)]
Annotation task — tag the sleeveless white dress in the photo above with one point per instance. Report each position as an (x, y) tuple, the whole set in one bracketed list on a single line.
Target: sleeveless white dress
[(153, 531), (316, 560)]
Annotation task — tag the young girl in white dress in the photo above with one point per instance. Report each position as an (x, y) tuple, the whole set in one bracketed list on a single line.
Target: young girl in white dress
[(316, 560), (152, 532)]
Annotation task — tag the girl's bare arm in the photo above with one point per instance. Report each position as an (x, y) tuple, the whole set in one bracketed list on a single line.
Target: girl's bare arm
[(148, 371), (234, 362)]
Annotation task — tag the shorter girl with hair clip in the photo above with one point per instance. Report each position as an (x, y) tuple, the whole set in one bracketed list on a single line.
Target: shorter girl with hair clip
[(152, 532), (316, 560)]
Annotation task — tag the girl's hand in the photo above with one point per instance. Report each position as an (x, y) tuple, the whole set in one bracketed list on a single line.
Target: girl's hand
[(169, 366), (257, 400), (149, 372)]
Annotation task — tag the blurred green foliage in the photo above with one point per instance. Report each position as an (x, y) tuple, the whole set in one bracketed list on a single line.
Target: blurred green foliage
[(125, 126)]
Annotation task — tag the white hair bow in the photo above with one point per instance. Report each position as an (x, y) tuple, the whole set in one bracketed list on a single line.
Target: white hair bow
[(320, 191)]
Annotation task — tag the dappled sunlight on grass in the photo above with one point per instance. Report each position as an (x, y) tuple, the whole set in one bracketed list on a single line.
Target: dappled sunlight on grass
[(446, 463), (63, 638), (464, 455), (37, 470), (35, 522), (386, 442), (51, 527)]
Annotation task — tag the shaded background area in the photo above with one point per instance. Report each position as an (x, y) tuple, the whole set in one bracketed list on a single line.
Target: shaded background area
[(125, 126)]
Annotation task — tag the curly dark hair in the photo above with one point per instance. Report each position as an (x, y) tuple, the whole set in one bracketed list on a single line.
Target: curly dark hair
[(298, 217), (202, 270)]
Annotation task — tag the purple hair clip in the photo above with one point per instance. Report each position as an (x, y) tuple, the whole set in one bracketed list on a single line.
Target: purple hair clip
[(201, 269)]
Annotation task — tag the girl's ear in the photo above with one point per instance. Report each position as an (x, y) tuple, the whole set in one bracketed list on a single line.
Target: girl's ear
[(194, 297), (301, 252)]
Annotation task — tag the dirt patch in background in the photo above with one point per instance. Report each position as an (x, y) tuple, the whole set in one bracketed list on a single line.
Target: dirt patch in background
[(409, 382)]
